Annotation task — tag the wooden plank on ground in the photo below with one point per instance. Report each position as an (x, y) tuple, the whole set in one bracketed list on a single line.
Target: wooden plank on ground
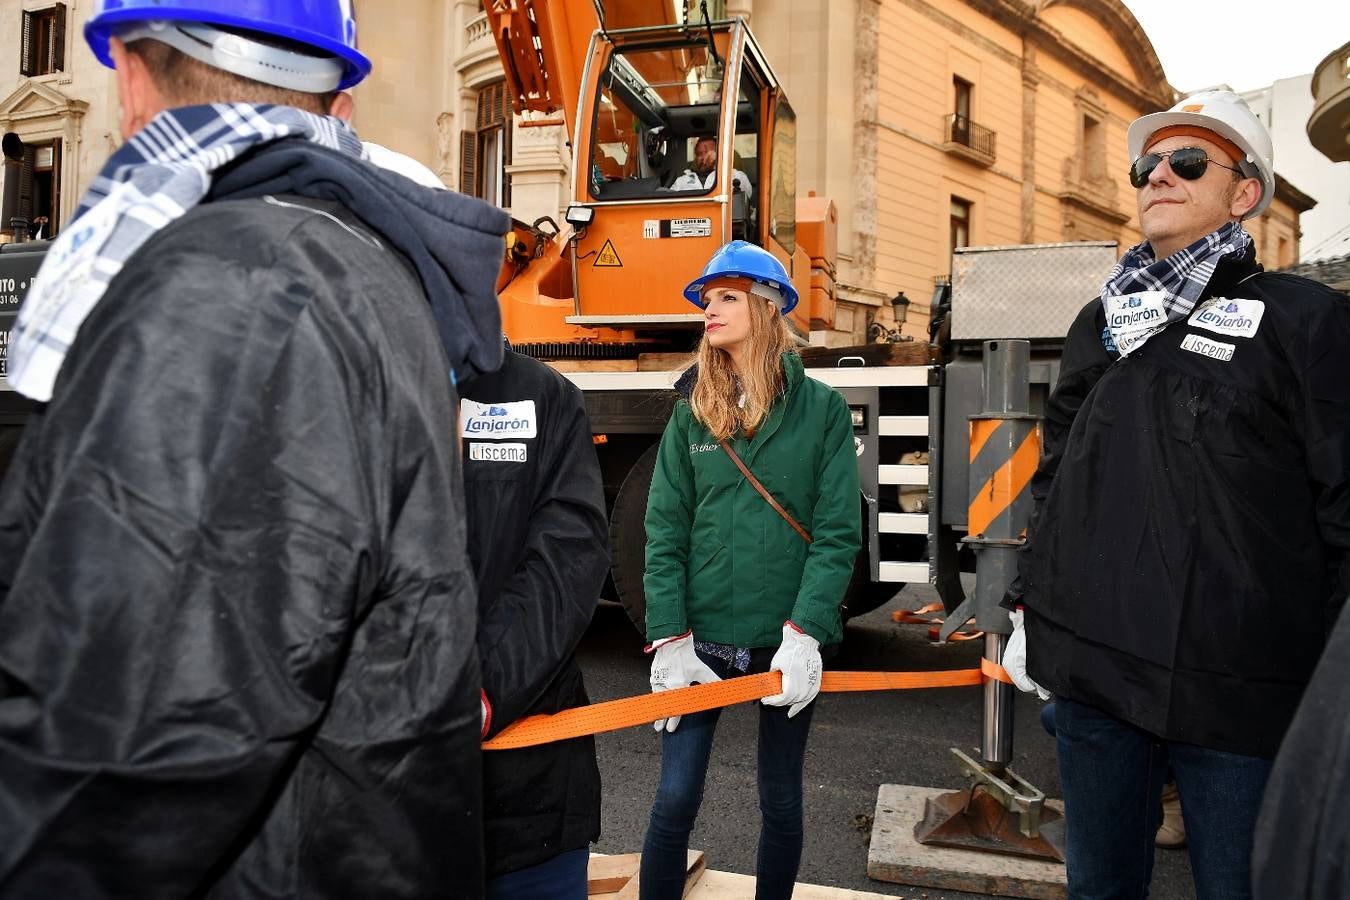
[(706, 884), (694, 869), (607, 874), (728, 886), (894, 855), (592, 365)]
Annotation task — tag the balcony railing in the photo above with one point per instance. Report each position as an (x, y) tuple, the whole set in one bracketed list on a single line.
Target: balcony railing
[(477, 29), (1327, 126), (969, 139), (1088, 187)]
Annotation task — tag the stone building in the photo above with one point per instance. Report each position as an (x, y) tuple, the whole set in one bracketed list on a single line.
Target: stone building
[(930, 123), (1286, 107)]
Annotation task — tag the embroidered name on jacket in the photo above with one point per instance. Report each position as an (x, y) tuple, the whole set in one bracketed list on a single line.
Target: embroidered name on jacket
[(497, 421), (1235, 318), (497, 452), (702, 448), (1205, 347)]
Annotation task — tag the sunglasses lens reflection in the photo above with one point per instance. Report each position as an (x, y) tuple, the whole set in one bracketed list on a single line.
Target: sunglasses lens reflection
[(1142, 168), (1188, 163)]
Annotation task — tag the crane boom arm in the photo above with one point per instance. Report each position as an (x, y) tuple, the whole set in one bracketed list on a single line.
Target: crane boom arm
[(543, 46)]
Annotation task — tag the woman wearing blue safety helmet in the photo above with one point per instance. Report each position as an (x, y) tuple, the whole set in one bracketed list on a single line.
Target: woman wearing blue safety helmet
[(735, 584)]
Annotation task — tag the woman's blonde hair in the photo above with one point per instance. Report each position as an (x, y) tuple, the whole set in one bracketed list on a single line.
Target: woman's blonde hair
[(719, 386)]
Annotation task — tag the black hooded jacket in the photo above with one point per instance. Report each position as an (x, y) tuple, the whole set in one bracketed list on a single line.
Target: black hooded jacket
[(540, 550), (1188, 553), (1303, 833), (236, 609)]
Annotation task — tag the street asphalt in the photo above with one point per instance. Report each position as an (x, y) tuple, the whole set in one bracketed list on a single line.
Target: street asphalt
[(858, 741)]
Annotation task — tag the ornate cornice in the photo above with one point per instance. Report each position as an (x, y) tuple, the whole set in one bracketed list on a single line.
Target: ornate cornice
[(1146, 88), (35, 100)]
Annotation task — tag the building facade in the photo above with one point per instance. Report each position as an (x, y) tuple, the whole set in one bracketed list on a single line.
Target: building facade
[(930, 123), (1286, 107)]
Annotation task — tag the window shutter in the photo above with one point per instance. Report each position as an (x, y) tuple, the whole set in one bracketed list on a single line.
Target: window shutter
[(26, 182), (484, 117), (58, 32), (28, 58), (55, 216), (494, 105), (468, 163), (507, 130)]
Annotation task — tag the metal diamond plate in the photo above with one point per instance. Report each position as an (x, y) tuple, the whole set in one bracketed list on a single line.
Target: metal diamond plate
[(1028, 291)]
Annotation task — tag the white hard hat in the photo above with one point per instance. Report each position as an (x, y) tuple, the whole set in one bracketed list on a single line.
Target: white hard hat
[(1223, 113), (402, 164)]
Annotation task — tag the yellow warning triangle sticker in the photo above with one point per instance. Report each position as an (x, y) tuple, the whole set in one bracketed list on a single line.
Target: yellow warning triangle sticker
[(608, 257)]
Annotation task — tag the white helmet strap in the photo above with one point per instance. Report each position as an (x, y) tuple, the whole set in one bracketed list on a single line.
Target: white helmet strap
[(243, 56)]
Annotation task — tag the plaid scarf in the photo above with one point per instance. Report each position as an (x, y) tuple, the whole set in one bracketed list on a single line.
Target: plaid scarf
[(1144, 295), (163, 171)]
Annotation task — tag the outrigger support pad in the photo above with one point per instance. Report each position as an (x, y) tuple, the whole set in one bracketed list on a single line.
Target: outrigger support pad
[(999, 812)]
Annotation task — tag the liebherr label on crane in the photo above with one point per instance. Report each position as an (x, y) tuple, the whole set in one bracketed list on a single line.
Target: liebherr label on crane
[(666, 228)]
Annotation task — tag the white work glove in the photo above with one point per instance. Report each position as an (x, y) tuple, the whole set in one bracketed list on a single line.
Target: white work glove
[(798, 658), (676, 665), (1015, 659)]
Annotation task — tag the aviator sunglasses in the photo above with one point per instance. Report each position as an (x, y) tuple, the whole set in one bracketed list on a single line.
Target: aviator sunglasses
[(1188, 162)]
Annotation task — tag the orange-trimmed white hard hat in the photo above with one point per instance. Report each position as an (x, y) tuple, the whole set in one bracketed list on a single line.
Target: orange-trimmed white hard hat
[(1226, 114)]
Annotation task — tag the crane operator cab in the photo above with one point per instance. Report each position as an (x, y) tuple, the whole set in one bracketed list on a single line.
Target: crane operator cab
[(658, 130), (685, 140)]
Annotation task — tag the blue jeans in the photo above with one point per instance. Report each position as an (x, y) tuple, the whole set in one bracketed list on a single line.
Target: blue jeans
[(561, 878), (684, 764), (1112, 775)]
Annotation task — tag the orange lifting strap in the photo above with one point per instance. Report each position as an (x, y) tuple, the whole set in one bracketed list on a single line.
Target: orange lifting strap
[(640, 710)]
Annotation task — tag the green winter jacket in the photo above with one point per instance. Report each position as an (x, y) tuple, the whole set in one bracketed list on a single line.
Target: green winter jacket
[(720, 560)]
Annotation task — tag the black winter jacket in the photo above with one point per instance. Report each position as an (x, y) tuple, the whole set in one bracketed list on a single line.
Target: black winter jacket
[(1302, 846), (540, 548), (1188, 553), (232, 663)]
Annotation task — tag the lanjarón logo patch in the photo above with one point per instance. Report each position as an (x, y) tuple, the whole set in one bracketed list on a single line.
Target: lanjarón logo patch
[(1238, 317), (498, 421)]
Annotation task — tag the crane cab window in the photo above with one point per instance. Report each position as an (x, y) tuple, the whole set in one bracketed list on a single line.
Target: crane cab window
[(656, 124)]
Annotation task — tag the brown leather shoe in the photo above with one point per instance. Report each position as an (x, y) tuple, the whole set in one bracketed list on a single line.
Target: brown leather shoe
[(1172, 832)]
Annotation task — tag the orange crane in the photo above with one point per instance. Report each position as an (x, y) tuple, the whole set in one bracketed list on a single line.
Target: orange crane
[(644, 97), (682, 139)]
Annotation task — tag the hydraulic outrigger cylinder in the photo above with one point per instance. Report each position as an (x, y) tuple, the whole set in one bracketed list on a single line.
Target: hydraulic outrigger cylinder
[(999, 811)]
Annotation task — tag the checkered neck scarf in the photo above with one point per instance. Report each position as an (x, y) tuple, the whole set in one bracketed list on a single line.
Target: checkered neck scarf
[(1181, 276), (163, 171)]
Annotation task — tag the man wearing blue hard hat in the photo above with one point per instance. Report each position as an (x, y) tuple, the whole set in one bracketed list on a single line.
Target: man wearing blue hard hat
[(237, 618)]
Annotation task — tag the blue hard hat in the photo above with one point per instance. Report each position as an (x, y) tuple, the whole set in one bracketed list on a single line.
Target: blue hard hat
[(741, 259), (325, 26)]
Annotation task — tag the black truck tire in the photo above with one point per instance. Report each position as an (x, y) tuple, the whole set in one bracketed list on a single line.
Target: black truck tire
[(628, 538), (864, 594)]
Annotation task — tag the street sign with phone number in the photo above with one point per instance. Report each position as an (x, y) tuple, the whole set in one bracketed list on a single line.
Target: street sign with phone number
[(18, 265)]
